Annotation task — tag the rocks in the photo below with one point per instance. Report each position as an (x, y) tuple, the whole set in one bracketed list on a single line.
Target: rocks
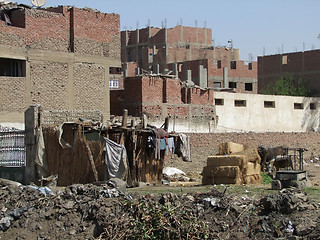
[(100, 212)]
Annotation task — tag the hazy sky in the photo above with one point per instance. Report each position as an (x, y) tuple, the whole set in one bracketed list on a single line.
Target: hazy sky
[(255, 26)]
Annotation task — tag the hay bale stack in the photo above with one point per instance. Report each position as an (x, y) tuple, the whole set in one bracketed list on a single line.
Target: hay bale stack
[(252, 173), (228, 160), (230, 148), (252, 154), (222, 174), (243, 167)]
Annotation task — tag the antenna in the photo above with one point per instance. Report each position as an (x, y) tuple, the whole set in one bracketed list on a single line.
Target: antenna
[(38, 3)]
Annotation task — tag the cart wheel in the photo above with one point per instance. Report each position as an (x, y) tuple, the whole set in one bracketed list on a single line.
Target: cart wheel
[(276, 185)]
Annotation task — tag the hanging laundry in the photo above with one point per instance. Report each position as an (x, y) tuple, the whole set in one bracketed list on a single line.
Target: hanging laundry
[(183, 147), (116, 159), (171, 144)]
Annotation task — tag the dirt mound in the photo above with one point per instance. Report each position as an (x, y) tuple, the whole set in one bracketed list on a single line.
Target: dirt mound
[(91, 212)]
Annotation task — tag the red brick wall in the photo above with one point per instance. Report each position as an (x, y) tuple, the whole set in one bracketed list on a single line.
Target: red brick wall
[(178, 111), (157, 36), (303, 65), (143, 35), (50, 29), (43, 26), (174, 35), (200, 97), (152, 90), (172, 90)]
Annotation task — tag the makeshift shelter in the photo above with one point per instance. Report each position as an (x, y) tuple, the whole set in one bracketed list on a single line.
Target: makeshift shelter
[(86, 151)]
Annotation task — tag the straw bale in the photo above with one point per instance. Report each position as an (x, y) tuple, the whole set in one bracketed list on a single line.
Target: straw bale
[(252, 153), (230, 160), (230, 148), (226, 180), (207, 181), (225, 171), (252, 169), (253, 179)]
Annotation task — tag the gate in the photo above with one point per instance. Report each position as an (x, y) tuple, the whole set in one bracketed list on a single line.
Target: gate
[(12, 155)]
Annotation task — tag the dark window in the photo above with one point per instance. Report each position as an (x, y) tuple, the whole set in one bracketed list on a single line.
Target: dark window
[(250, 66), (233, 65), (12, 67), (269, 104), (219, 63), (298, 106), (313, 106), (232, 85), (240, 103), (115, 70), (248, 86), (219, 101)]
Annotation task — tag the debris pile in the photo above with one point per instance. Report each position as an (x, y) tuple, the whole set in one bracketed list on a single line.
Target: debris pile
[(102, 212), (235, 164)]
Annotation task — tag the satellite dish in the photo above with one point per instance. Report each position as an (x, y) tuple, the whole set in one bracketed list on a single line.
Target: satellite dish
[(38, 3)]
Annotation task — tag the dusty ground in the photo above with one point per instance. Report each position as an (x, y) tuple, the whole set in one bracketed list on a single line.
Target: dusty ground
[(92, 212)]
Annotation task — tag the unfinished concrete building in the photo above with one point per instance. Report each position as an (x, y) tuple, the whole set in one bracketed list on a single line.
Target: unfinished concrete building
[(190, 109), (302, 65), (61, 58), (188, 53)]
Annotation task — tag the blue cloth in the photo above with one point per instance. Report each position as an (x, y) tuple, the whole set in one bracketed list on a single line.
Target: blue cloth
[(163, 145)]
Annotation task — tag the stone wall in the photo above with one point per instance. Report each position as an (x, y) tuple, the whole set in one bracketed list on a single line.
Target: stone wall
[(49, 84), (89, 85), (13, 94)]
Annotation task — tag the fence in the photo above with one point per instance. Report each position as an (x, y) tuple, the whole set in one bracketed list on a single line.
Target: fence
[(12, 149)]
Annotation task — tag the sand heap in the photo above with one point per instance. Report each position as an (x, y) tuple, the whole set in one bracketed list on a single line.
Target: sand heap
[(235, 164)]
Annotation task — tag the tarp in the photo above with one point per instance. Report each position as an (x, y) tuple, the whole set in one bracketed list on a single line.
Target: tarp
[(116, 159)]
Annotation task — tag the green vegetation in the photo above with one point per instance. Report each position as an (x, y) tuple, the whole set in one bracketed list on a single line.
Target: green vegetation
[(313, 193), (266, 179), (287, 86)]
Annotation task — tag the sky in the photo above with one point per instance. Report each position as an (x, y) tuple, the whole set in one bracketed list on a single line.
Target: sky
[(256, 27)]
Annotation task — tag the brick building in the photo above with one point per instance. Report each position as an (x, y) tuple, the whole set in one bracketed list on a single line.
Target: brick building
[(189, 54), (158, 97), (61, 58), (304, 65)]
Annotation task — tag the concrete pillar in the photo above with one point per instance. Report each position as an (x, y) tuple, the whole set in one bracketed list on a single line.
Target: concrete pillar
[(225, 77), (32, 118), (189, 75), (125, 73), (206, 36), (200, 72), (156, 69), (137, 71), (175, 69), (138, 37)]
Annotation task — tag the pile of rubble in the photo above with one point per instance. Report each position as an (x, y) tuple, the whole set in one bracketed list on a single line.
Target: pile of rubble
[(235, 164), (104, 212)]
